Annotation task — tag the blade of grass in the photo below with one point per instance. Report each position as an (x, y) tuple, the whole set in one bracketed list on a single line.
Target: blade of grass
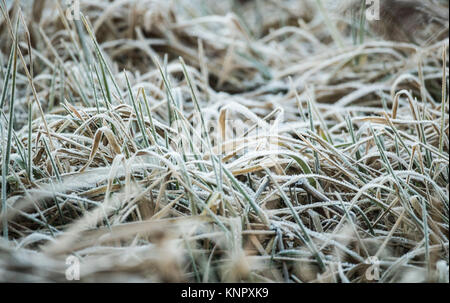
[(5, 166)]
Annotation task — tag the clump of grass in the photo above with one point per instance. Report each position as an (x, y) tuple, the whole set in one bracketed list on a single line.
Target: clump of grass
[(204, 142)]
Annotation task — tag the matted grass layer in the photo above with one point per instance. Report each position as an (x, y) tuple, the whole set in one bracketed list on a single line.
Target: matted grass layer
[(221, 141)]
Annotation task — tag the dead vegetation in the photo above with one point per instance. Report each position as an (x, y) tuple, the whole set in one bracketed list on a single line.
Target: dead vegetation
[(212, 141)]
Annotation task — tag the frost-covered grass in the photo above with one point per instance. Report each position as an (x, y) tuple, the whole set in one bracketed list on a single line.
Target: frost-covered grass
[(213, 141)]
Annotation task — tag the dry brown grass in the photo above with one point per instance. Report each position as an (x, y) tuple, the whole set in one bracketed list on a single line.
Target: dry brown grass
[(355, 167)]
